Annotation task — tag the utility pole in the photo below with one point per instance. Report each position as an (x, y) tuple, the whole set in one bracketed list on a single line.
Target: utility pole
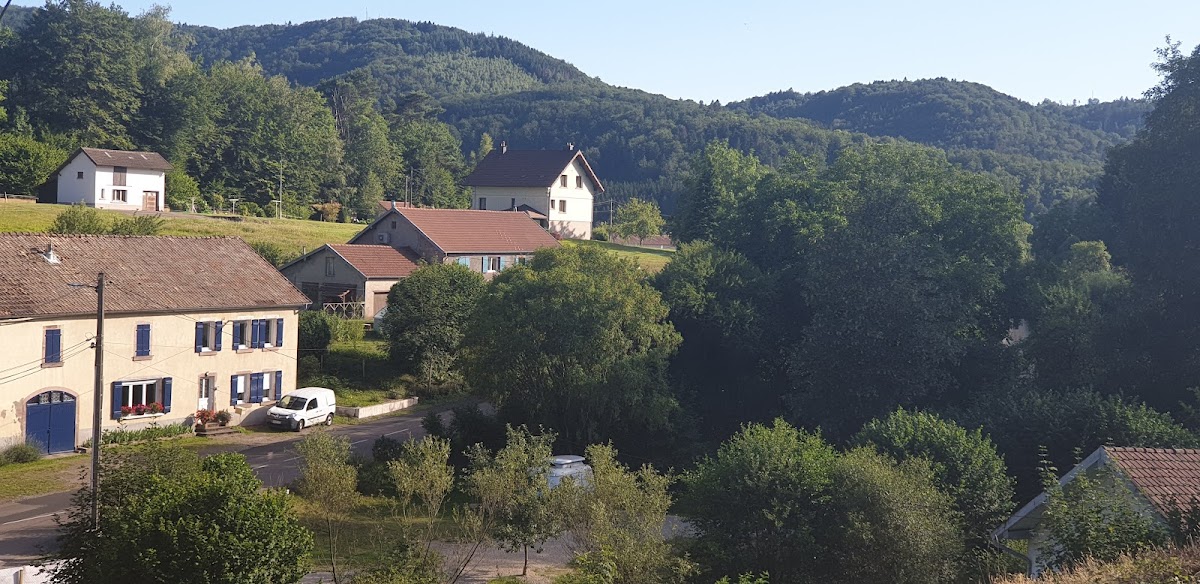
[(97, 399)]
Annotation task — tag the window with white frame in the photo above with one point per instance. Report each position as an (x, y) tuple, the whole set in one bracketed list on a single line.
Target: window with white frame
[(140, 393), (242, 334), (562, 206), (271, 332), (562, 181), (578, 182), (120, 195)]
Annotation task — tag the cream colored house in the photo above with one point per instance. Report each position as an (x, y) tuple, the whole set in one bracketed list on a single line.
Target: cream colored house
[(190, 323), (113, 179), (555, 187)]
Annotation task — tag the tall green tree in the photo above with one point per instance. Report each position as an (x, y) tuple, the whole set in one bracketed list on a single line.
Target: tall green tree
[(26, 163), (428, 312), (1153, 225), (168, 516), (638, 218), (74, 68), (575, 341), (904, 285), (718, 179), (965, 465)]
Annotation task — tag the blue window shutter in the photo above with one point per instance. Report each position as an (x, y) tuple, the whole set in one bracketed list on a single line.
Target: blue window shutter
[(233, 390), (256, 388), (464, 262), (278, 384), (279, 332), (166, 394), (53, 346), (483, 267), (501, 263), (255, 334), (237, 335), (217, 342), (116, 400), (199, 336), (143, 340)]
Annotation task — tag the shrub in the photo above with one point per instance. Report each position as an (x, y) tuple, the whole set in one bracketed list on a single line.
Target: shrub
[(79, 219), (139, 225), (21, 453), (348, 330), (308, 366), (386, 449), (250, 210), (151, 432), (315, 330), (182, 190), (433, 425), (273, 253)]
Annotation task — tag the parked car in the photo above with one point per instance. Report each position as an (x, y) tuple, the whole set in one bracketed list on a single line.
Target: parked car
[(569, 465), (306, 406)]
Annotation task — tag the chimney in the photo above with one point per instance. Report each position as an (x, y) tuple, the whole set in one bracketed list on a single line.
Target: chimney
[(51, 257), (570, 145), (503, 147)]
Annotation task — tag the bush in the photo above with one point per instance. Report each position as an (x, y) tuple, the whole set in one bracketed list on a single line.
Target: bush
[(348, 330), (139, 225), (21, 453), (386, 449), (308, 366), (182, 190), (315, 330), (79, 219), (274, 254), (433, 425), (250, 210)]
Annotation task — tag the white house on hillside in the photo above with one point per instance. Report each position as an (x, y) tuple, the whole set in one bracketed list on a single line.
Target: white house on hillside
[(556, 188), (113, 179)]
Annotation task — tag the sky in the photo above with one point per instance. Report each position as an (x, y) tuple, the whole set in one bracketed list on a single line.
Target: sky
[(1062, 50)]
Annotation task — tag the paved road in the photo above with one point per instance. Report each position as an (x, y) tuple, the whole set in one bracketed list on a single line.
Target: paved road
[(27, 526)]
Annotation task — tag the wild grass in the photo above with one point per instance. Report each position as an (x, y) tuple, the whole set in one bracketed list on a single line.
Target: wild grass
[(291, 235), (651, 260), (1173, 566), (49, 475)]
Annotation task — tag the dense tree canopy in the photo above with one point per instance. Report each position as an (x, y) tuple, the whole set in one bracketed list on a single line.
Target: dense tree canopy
[(576, 341)]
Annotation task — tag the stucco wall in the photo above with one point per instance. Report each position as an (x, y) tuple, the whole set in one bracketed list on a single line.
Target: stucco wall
[(96, 188), (172, 343), (402, 234), (73, 190), (574, 223), (312, 270)]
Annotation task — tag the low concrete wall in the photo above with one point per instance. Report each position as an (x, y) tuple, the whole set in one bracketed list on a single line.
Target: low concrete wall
[(377, 409)]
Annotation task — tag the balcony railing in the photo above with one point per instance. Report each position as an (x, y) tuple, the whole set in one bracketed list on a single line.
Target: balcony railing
[(345, 309)]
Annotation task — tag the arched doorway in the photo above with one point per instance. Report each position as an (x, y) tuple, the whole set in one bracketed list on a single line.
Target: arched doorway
[(50, 421)]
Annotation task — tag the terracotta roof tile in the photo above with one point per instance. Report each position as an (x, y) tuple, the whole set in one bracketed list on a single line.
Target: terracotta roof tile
[(378, 261), (144, 274), (127, 158), (526, 168), (1165, 476), (472, 231)]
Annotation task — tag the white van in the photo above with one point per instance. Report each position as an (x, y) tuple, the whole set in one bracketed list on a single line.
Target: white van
[(307, 406), (569, 465)]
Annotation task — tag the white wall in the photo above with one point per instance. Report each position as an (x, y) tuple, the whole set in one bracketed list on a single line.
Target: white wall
[(575, 222), (137, 182), (73, 190)]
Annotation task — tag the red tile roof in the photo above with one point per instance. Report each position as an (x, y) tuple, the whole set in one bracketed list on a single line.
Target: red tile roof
[(1165, 476), (385, 206), (473, 231), (143, 274), (526, 168), (377, 261), (126, 158)]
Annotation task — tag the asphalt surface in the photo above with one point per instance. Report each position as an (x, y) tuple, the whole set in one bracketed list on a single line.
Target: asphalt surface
[(27, 526)]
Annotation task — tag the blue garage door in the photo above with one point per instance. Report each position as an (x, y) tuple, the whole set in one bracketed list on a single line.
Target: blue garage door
[(50, 421)]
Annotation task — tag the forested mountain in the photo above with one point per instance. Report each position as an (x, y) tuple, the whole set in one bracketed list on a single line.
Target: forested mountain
[(962, 115), (640, 142)]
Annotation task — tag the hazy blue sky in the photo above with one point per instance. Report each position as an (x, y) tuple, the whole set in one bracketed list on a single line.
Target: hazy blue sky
[(1056, 49)]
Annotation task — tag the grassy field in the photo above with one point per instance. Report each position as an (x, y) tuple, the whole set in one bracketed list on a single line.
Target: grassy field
[(292, 235), (651, 260), (49, 475)]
